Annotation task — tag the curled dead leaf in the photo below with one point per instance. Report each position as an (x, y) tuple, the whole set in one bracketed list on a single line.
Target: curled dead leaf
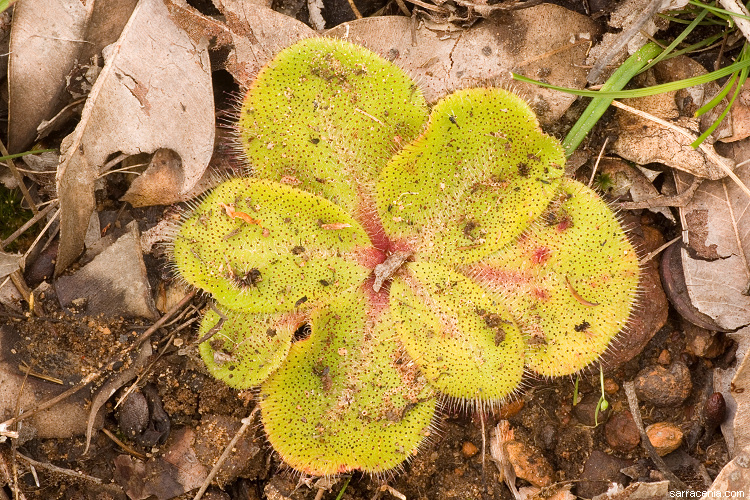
[(148, 96)]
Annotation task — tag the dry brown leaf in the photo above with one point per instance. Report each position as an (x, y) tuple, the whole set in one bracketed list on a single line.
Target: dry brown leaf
[(716, 233), (629, 180), (154, 92), (642, 140), (544, 42), (47, 40), (739, 116), (258, 34)]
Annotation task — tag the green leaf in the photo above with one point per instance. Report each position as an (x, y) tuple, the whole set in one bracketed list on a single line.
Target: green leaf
[(260, 246), (246, 348), (462, 337), (480, 173), (347, 398), (326, 115), (596, 108), (653, 90), (570, 282)]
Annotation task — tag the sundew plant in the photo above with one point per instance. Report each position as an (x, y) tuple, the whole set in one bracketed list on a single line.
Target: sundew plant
[(383, 257)]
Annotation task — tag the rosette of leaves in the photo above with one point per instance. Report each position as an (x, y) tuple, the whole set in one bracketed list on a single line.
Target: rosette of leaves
[(382, 256)]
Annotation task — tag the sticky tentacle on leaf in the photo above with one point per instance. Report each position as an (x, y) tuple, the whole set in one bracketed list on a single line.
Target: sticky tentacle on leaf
[(347, 398), (246, 348), (570, 281), (326, 115), (260, 246), (462, 336), (473, 181)]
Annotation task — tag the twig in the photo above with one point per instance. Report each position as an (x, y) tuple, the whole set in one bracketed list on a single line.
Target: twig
[(246, 422), (598, 159), (658, 251), (19, 180), (95, 375), (636, 412), (622, 40), (735, 7), (354, 8), (60, 470), (39, 215), (403, 8), (712, 155), (122, 445)]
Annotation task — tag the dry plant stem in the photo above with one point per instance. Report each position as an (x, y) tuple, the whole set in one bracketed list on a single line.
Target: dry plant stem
[(658, 250), (429, 6), (127, 449), (499, 6), (622, 40), (19, 179), (710, 154), (598, 159), (354, 8), (60, 470), (636, 412), (111, 386), (403, 8), (96, 375), (679, 200), (6, 479), (14, 443), (736, 7), (41, 233), (39, 215), (246, 422)]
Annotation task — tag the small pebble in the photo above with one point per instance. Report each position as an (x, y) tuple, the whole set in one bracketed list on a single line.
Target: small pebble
[(715, 410), (585, 410), (529, 463), (510, 408), (621, 432), (664, 358), (133, 415), (469, 449), (610, 386), (665, 437), (598, 472), (664, 386)]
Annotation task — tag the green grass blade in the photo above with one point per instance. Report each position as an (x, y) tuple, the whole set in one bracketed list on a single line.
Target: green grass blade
[(715, 125), (599, 105), (656, 89), (716, 100), (718, 11), (677, 40), (18, 155)]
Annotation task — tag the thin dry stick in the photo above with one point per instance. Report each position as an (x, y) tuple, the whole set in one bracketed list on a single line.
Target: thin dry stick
[(403, 8), (60, 470), (598, 159), (658, 251), (354, 8), (636, 412), (246, 422), (707, 151), (108, 366), (122, 445), (10, 239), (19, 180), (622, 39)]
